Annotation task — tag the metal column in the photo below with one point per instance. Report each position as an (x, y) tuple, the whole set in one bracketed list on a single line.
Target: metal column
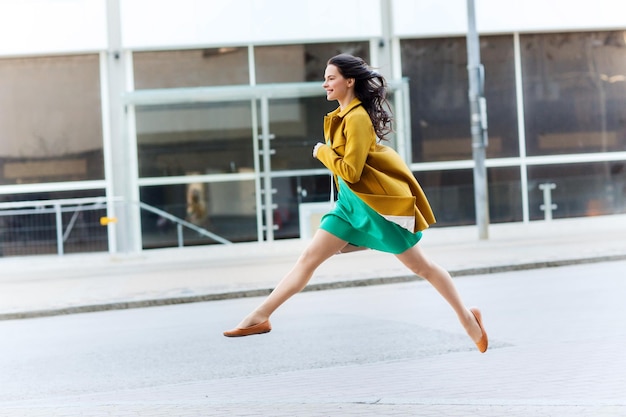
[(478, 119), (121, 177)]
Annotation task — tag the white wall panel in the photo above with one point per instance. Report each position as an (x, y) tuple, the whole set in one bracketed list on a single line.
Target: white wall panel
[(150, 24), (414, 18), (59, 26), (550, 15), (65, 26)]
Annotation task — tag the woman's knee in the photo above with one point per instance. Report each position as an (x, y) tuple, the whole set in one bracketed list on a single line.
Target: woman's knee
[(309, 259), (317, 252), (324, 245), (424, 269), (418, 263)]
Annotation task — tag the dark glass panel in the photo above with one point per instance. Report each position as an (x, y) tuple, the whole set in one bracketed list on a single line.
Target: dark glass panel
[(585, 189), (438, 83), (574, 92)]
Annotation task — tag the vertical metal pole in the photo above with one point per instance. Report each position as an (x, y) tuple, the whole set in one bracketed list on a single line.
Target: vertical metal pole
[(59, 222), (521, 128), (478, 120), (121, 169), (107, 151), (403, 122), (179, 233), (258, 194), (383, 54), (268, 190)]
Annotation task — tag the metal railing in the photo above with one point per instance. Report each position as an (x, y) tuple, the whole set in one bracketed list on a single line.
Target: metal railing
[(49, 226), (70, 225), (180, 223)]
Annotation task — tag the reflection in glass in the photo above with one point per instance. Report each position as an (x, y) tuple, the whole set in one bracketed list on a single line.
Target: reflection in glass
[(574, 92), (581, 189), (299, 63), (191, 68), (291, 192), (227, 209), (191, 139), (297, 125), (438, 83), (451, 195), (505, 194), (50, 120)]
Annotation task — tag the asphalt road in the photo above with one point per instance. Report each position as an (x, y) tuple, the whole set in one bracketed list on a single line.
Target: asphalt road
[(395, 345)]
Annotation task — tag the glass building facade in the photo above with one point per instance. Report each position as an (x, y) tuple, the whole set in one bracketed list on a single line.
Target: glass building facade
[(236, 161), (550, 120)]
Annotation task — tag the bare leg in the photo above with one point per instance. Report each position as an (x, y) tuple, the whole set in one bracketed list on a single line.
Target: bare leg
[(415, 259), (323, 246), (351, 248)]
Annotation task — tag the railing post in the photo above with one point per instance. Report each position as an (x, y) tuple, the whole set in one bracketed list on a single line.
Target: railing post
[(547, 205), (59, 224), (179, 232)]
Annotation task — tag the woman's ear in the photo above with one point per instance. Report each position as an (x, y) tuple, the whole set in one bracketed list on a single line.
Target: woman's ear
[(350, 82)]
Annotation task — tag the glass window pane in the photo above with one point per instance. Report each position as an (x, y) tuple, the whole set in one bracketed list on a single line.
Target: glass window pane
[(451, 195), (50, 119), (191, 68), (297, 125), (505, 195), (574, 92), (299, 63), (291, 192), (191, 139), (438, 84), (581, 189), (280, 64), (227, 209)]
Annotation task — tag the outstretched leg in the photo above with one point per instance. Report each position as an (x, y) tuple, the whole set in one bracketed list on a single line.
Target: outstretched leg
[(322, 246), (415, 259)]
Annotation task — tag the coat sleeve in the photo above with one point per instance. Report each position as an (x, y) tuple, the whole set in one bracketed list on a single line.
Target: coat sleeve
[(347, 159)]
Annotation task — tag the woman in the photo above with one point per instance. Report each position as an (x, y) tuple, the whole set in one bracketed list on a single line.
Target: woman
[(380, 203)]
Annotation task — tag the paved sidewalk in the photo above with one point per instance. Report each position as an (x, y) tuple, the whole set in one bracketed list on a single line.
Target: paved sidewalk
[(556, 349), (50, 285)]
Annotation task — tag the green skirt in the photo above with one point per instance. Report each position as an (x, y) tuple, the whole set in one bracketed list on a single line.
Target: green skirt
[(357, 223)]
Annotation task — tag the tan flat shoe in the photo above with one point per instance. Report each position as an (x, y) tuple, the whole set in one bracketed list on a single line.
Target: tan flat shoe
[(483, 343), (263, 327)]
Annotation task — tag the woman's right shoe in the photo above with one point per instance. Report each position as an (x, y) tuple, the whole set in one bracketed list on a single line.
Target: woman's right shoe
[(260, 328), (483, 343)]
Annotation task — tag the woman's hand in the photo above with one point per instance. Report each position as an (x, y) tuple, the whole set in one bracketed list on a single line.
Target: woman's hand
[(315, 148)]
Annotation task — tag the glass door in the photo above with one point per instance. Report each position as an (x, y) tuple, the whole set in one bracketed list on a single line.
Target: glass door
[(196, 161), (292, 181), (289, 174), (236, 161)]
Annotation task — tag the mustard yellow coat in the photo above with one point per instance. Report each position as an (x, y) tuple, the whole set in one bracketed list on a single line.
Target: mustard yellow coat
[(374, 172)]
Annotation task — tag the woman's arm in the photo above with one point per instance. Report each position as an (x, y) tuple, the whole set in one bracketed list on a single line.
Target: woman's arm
[(348, 160)]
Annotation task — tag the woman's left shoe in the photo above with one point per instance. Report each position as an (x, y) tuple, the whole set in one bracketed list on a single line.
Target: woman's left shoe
[(483, 343), (263, 327)]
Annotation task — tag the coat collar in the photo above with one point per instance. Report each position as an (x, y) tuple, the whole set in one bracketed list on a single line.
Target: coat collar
[(341, 113)]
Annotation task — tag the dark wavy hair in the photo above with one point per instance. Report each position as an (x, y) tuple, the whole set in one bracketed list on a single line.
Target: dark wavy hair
[(370, 87)]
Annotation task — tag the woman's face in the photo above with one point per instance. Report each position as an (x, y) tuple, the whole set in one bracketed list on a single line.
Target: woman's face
[(337, 87)]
